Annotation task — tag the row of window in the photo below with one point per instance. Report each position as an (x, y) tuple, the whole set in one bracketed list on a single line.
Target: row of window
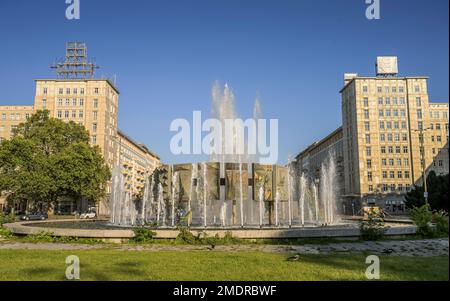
[(436, 115), (391, 175), (3, 128), (393, 188), (387, 101), (388, 137), (68, 91), (67, 114), (393, 89), (74, 102), (394, 112), (16, 116)]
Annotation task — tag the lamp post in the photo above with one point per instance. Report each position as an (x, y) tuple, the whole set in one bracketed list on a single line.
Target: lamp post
[(421, 130)]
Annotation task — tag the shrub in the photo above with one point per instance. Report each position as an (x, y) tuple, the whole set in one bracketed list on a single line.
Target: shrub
[(373, 228), (41, 237), (7, 218), (422, 217), (186, 236), (5, 233), (440, 218), (143, 235)]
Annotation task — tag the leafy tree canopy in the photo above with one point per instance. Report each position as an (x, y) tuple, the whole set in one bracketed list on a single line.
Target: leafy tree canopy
[(48, 158), (438, 193)]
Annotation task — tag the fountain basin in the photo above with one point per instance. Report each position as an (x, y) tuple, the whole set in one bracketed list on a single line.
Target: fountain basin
[(101, 229)]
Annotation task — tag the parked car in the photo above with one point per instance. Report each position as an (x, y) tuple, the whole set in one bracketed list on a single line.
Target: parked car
[(34, 216), (87, 215)]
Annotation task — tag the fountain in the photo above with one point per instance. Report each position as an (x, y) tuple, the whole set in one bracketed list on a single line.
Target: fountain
[(229, 190)]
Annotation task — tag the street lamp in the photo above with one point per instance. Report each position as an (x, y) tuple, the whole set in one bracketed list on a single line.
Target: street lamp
[(422, 154)]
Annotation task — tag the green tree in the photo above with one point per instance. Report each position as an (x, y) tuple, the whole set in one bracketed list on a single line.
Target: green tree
[(438, 193), (48, 158)]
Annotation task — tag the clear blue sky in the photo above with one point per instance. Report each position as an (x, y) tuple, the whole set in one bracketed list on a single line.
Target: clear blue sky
[(168, 53)]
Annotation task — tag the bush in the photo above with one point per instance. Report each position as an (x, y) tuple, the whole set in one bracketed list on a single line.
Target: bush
[(422, 217), (440, 218), (41, 237), (143, 235), (186, 236), (5, 233), (7, 218), (373, 228)]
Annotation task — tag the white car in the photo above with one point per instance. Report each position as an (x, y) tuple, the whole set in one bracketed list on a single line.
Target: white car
[(87, 215)]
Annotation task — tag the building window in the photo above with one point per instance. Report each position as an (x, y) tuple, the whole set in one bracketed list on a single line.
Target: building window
[(419, 113), (406, 161), (44, 104), (385, 187), (367, 126), (81, 102), (388, 113), (395, 100), (371, 188), (60, 91), (94, 127), (382, 125), (380, 100), (74, 102), (66, 114), (369, 176), (82, 91), (399, 174), (366, 114), (401, 89), (67, 102), (3, 116), (95, 104), (405, 149), (391, 162), (45, 90), (418, 101), (95, 90), (402, 101), (367, 138), (369, 163), (382, 137), (392, 187), (380, 113), (388, 101), (397, 149), (94, 115), (366, 102), (379, 89), (74, 114), (384, 174), (365, 89), (399, 162), (75, 91), (383, 162), (392, 174), (390, 149), (59, 102), (406, 174), (416, 89), (67, 90), (383, 149), (80, 114), (368, 151), (94, 139), (59, 114), (389, 125)]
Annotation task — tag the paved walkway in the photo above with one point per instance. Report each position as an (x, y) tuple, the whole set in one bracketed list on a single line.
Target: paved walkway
[(427, 247)]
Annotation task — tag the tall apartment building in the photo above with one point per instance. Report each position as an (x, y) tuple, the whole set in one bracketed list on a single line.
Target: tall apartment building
[(93, 103), (390, 134), (75, 95)]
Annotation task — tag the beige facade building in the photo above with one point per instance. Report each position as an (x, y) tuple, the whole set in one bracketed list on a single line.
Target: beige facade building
[(11, 117), (391, 134), (93, 103), (137, 162)]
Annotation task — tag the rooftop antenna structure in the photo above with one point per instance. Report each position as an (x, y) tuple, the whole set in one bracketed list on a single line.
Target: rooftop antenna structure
[(76, 64)]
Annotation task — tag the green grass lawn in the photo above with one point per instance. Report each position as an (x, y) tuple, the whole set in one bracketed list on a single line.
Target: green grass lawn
[(211, 265)]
